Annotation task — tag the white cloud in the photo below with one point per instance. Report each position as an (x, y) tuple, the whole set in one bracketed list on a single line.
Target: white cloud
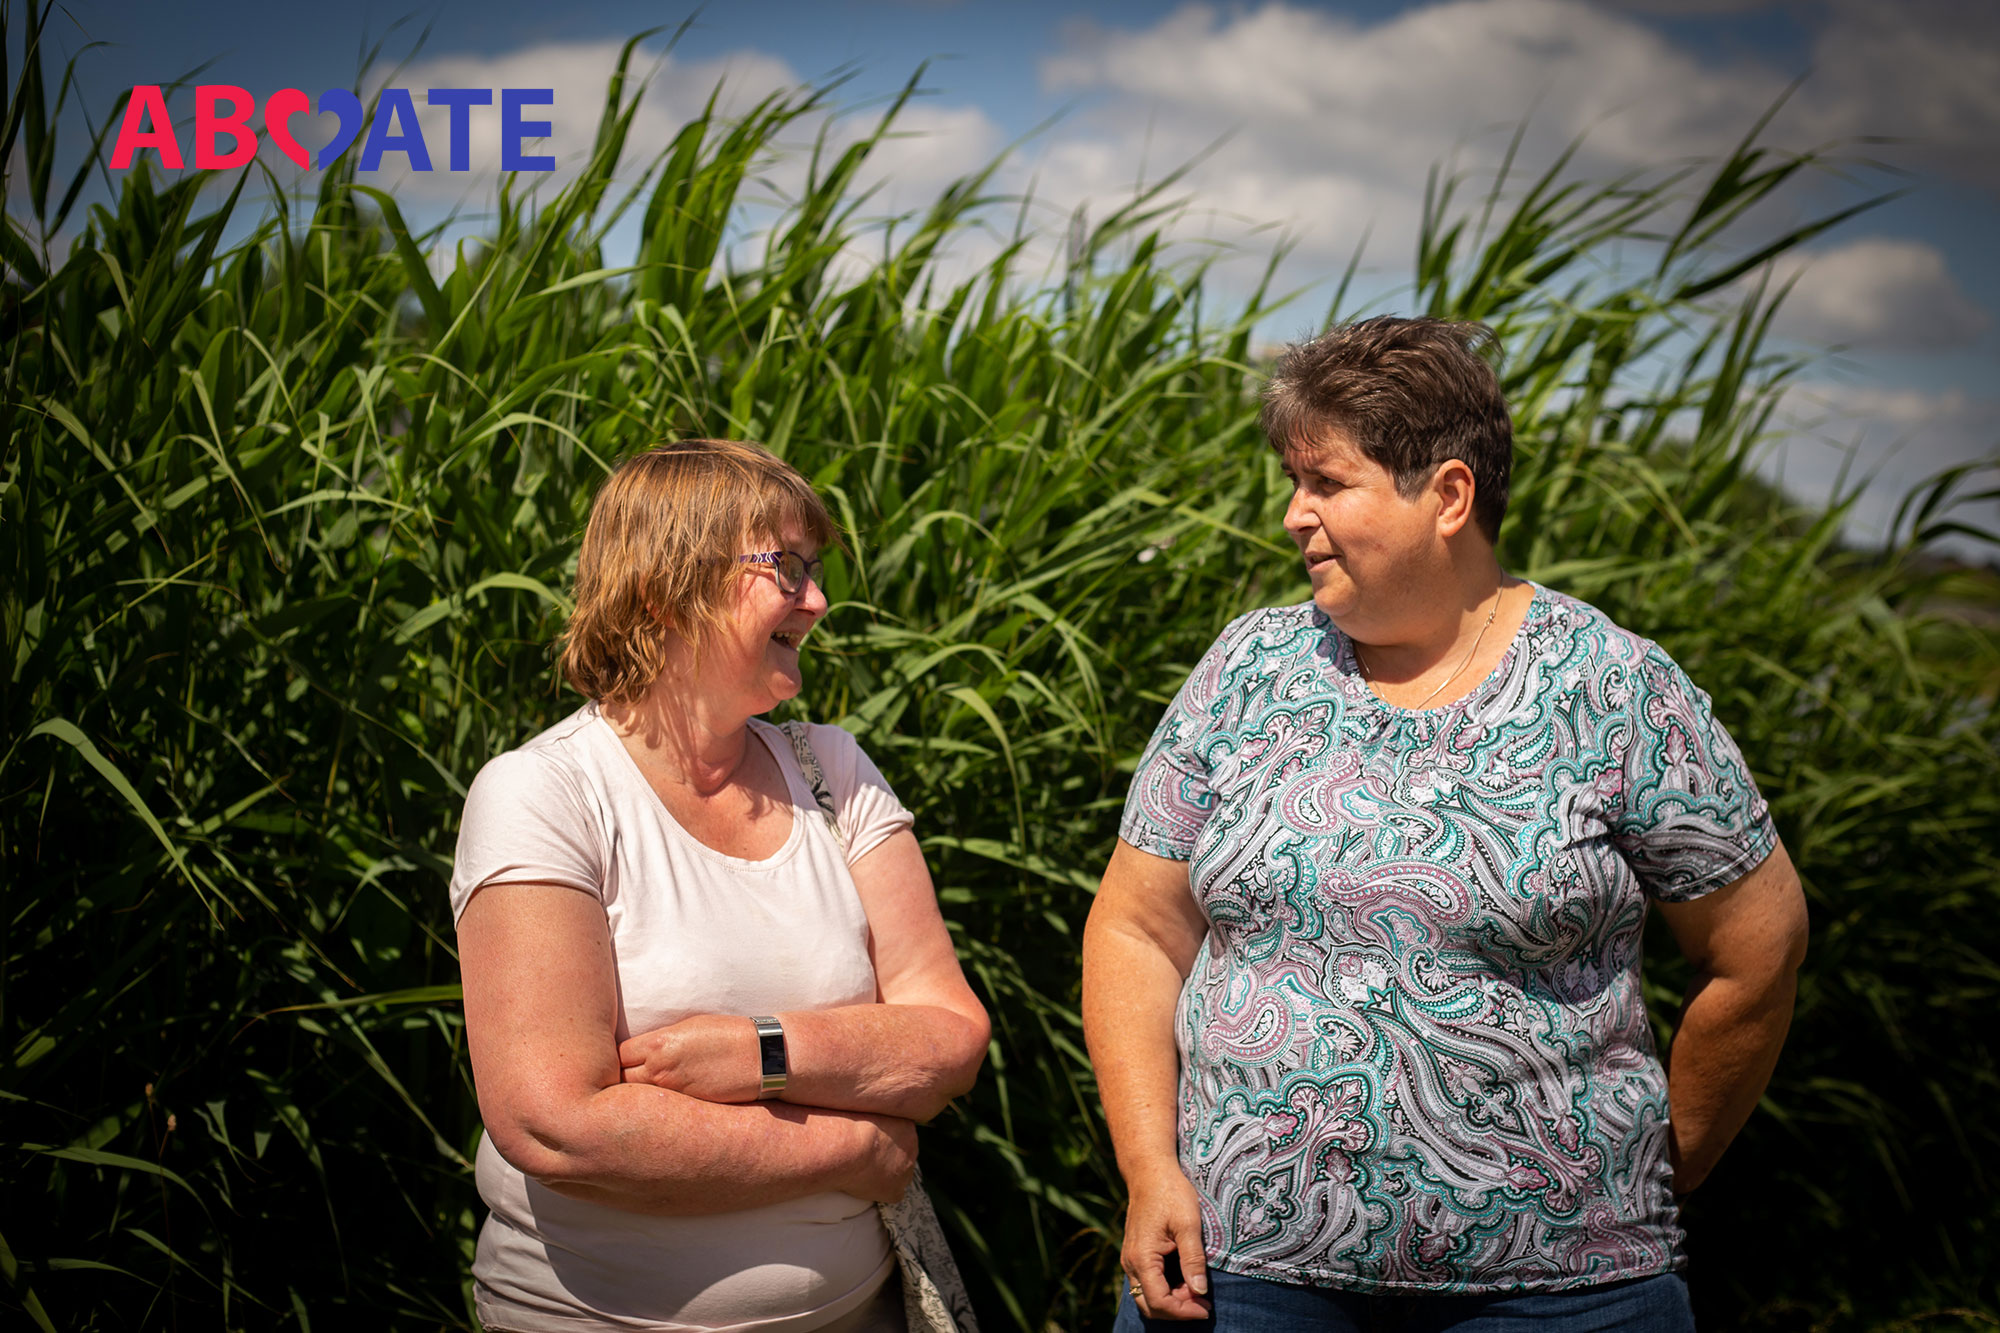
[(930, 146), (1876, 292), (1684, 8), (926, 149), (1420, 80), (1924, 70), (1894, 439), (1334, 122)]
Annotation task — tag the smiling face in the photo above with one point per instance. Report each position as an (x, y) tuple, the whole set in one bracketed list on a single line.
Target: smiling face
[(753, 658), (657, 579), (1370, 552)]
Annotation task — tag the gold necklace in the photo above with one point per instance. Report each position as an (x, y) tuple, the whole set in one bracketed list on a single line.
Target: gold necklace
[(1477, 640)]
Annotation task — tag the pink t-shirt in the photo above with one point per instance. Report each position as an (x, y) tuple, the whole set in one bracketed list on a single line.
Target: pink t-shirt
[(692, 931)]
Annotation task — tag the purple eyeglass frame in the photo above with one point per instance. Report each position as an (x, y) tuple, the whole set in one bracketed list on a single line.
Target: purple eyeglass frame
[(807, 571)]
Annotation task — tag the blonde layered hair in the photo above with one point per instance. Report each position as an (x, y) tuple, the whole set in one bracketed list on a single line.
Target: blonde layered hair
[(659, 555)]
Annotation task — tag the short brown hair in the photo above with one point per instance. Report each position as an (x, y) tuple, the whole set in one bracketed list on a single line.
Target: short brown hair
[(1412, 393), (659, 554)]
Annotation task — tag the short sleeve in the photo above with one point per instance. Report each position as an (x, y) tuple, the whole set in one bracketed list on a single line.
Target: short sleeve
[(1170, 797), (525, 822), (1692, 819), (864, 806)]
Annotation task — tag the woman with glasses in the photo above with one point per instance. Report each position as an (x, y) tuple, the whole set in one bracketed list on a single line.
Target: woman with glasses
[(703, 1018), (1362, 982)]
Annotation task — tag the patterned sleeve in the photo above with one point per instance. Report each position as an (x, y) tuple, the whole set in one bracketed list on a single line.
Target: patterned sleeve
[(1170, 797), (1692, 817)]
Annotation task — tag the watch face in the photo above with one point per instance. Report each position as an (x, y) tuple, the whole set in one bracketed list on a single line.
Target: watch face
[(771, 1052)]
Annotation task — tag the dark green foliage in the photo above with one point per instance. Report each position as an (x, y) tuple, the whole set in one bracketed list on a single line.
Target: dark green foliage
[(286, 528)]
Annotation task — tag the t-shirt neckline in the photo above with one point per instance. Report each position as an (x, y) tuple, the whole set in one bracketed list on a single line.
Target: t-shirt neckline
[(758, 728)]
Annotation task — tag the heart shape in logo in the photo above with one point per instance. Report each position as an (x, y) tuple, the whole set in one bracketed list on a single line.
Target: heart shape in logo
[(279, 108), (348, 107)]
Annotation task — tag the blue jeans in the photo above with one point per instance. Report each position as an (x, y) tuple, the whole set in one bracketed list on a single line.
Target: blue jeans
[(1254, 1305)]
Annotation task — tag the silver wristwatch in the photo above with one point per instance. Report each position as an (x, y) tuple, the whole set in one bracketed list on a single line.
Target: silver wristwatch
[(771, 1055)]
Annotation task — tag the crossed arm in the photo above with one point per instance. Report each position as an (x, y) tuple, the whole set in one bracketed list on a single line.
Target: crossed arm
[(668, 1122)]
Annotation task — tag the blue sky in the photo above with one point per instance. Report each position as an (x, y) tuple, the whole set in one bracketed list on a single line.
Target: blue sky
[(1333, 112)]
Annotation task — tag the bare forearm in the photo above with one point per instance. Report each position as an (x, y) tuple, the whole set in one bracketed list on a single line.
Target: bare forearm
[(1134, 963), (1723, 1053), (906, 1060), (648, 1150)]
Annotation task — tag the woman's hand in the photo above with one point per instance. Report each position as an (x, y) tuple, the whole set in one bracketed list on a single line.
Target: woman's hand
[(1142, 938), (715, 1057), (885, 1173), (1162, 1219)]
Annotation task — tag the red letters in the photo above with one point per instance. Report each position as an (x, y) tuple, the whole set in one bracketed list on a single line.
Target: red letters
[(146, 102), (208, 126)]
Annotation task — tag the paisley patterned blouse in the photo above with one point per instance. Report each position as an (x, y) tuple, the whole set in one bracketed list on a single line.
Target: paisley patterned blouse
[(1413, 1049)]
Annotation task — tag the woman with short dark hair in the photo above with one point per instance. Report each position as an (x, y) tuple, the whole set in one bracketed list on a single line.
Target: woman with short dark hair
[(702, 1014), (1362, 982)]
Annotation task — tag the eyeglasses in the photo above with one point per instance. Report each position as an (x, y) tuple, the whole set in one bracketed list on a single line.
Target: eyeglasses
[(792, 569)]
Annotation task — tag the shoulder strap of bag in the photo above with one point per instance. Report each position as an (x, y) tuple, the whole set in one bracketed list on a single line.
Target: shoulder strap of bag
[(802, 748)]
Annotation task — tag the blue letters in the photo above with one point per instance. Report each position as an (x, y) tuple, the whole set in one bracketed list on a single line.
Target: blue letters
[(461, 101), (513, 129), (395, 107)]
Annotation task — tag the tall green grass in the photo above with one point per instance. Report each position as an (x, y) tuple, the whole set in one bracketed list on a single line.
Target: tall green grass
[(287, 523)]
